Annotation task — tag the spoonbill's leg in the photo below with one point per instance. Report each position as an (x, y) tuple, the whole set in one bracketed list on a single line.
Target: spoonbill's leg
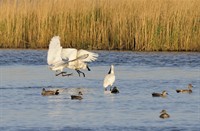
[(80, 72), (88, 68), (63, 74)]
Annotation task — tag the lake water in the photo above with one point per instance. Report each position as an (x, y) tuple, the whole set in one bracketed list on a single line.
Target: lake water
[(23, 74)]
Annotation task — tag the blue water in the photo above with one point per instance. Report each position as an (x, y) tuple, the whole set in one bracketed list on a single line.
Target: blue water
[(23, 74)]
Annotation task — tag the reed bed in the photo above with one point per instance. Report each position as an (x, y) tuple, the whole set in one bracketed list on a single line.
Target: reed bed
[(140, 25)]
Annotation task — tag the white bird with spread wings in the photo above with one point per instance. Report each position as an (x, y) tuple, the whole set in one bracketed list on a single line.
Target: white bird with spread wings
[(59, 58)]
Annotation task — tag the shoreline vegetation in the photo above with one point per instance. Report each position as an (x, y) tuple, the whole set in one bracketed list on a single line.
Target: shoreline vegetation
[(136, 25)]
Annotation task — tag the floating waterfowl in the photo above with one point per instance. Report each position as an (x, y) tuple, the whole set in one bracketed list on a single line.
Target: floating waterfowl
[(115, 90), (164, 114), (49, 92), (189, 90), (163, 94), (77, 97), (109, 78)]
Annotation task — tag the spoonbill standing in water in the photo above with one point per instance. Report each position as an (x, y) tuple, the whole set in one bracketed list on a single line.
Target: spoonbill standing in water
[(109, 78), (59, 58)]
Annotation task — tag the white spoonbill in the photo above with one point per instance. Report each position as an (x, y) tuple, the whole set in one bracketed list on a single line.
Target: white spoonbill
[(59, 58), (109, 78), (80, 63)]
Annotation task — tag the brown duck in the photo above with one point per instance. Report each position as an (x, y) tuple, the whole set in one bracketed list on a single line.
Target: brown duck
[(49, 92), (163, 94), (189, 90), (77, 97), (164, 114)]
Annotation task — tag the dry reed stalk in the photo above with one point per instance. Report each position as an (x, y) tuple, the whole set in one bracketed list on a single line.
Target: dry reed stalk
[(142, 25)]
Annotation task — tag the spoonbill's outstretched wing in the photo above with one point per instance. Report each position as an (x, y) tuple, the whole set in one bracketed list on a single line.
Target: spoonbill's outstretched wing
[(69, 53), (91, 56), (82, 55), (54, 52)]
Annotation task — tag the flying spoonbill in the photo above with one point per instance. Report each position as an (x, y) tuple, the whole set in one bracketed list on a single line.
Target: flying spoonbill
[(81, 56), (59, 58)]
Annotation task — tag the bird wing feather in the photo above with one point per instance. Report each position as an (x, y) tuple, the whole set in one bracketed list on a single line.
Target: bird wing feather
[(69, 53), (54, 52), (91, 56)]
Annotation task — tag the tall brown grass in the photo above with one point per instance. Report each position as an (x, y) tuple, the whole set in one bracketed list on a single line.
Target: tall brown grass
[(142, 25)]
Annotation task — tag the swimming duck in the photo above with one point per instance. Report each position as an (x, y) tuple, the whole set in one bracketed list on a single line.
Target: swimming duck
[(49, 92), (164, 114), (115, 90), (163, 94), (77, 97), (189, 90)]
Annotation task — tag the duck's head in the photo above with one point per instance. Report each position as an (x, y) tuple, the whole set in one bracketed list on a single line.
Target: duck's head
[(190, 86), (164, 93), (80, 93), (163, 111), (57, 92)]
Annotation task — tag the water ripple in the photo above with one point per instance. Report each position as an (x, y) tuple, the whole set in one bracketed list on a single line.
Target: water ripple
[(152, 59)]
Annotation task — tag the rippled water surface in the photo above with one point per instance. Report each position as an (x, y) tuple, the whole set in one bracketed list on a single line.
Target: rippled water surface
[(24, 73)]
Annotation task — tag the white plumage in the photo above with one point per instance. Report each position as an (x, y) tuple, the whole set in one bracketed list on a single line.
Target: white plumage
[(109, 78), (59, 58), (54, 58), (54, 52)]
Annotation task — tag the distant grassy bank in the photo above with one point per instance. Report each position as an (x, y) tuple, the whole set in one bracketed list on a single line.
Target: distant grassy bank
[(141, 25)]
